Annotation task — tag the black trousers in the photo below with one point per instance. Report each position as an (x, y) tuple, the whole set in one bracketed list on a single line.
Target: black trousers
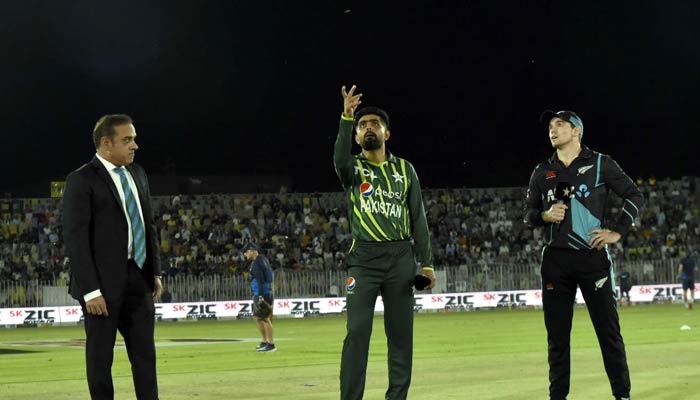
[(591, 270), (134, 317), (374, 268)]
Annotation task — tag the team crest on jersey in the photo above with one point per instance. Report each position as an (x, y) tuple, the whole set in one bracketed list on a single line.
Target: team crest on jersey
[(366, 189), (583, 170), (351, 283)]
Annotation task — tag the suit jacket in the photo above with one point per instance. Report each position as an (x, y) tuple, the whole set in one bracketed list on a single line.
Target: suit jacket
[(96, 231)]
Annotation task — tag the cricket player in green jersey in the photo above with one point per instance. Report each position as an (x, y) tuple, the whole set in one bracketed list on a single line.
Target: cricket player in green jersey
[(390, 233)]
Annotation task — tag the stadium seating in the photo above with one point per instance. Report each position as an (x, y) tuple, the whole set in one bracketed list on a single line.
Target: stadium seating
[(203, 235)]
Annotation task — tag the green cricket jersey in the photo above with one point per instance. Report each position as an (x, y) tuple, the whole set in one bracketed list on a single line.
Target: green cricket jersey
[(384, 200)]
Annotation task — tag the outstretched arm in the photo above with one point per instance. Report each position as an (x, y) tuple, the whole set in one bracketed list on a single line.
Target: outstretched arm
[(342, 156)]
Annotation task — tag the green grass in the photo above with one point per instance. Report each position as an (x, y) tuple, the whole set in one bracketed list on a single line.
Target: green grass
[(476, 355)]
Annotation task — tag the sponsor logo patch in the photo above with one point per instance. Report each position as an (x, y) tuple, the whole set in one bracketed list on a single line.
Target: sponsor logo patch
[(365, 172), (351, 283), (366, 189), (583, 191)]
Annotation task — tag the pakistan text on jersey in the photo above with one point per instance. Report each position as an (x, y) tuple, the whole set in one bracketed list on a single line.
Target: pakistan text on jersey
[(379, 207)]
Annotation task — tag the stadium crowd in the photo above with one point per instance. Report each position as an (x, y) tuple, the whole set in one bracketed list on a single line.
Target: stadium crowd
[(204, 234)]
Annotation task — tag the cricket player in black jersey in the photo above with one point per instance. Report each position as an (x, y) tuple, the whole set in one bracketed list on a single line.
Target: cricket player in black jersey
[(385, 208), (567, 195)]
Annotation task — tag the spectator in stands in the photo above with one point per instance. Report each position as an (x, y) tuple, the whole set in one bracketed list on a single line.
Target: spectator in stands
[(38, 234)]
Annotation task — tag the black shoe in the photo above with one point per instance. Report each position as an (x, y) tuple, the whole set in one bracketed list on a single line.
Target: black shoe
[(269, 348), (261, 346)]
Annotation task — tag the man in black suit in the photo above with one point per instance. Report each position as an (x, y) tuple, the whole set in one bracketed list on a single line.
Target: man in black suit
[(111, 241)]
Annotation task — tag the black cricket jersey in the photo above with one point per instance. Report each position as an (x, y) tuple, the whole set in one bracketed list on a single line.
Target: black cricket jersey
[(590, 177)]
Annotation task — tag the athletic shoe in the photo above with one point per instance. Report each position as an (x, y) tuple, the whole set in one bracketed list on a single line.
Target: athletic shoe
[(269, 348), (261, 346)]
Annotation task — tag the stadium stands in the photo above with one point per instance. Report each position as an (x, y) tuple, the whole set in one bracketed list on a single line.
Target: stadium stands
[(472, 229)]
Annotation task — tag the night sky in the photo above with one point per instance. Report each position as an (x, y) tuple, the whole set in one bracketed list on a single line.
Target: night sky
[(253, 88)]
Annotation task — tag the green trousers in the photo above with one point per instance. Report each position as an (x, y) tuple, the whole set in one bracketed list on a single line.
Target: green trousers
[(374, 268)]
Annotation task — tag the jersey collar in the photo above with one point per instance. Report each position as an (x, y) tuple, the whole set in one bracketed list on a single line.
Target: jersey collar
[(585, 153), (390, 158)]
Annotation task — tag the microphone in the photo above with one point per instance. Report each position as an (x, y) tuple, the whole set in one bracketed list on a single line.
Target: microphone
[(421, 282), (563, 192)]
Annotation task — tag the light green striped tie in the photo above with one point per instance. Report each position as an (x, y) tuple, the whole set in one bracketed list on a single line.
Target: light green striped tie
[(137, 230)]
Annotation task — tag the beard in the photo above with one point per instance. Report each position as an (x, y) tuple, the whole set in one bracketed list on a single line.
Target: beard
[(371, 143)]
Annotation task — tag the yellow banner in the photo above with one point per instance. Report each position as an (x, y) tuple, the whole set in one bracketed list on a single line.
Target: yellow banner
[(57, 188)]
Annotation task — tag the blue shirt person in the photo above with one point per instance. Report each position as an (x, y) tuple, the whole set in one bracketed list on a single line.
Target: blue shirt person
[(261, 277), (686, 273)]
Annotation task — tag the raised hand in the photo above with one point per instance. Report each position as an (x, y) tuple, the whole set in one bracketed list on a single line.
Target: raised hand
[(350, 101)]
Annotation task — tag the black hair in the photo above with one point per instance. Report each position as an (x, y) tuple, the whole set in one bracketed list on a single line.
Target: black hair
[(105, 127), (372, 110)]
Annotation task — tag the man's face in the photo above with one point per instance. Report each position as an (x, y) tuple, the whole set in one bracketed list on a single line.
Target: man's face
[(371, 133), (561, 133), (251, 254), (121, 149)]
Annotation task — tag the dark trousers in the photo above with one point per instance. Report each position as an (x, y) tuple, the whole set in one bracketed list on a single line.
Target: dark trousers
[(134, 317), (374, 268), (591, 270)]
